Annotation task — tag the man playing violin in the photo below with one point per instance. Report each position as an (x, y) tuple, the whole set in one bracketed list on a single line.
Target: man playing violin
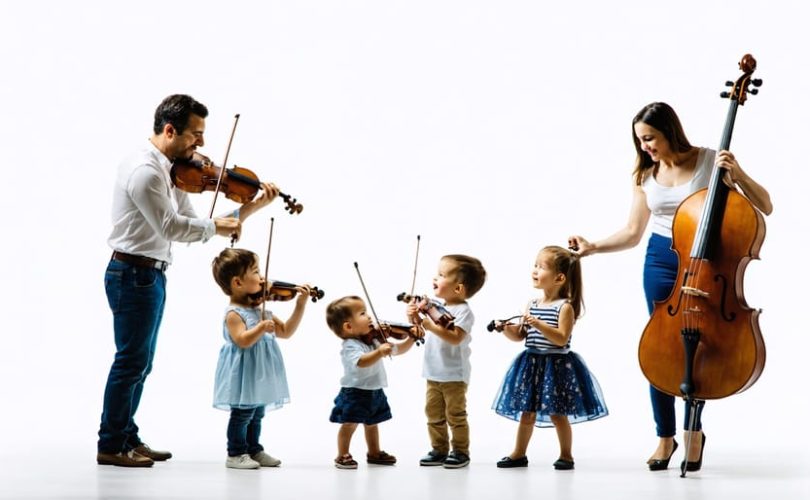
[(148, 214)]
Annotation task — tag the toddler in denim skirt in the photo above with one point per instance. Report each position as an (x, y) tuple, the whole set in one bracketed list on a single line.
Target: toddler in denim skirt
[(361, 399)]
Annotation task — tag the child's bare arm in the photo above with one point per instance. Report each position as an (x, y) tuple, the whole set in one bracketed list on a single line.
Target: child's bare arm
[(243, 336), (514, 332), (377, 354), (453, 336)]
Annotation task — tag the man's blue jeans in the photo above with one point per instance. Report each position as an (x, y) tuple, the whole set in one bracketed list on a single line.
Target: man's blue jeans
[(136, 296)]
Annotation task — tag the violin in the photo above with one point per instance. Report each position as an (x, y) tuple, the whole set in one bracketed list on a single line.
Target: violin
[(431, 308), (494, 326), (238, 184), (399, 331), (281, 291)]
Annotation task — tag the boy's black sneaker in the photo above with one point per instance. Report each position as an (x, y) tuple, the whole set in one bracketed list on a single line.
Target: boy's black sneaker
[(456, 460), (433, 458)]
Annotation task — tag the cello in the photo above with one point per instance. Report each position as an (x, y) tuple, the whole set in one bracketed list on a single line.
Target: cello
[(704, 342)]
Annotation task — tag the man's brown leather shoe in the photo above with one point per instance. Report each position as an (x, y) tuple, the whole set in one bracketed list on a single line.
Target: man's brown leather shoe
[(128, 459), (157, 456)]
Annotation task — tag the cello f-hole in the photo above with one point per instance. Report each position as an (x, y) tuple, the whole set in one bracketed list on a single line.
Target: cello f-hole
[(728, 317)]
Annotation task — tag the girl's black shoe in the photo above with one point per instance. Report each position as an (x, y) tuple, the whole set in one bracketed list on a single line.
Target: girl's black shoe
[(562, 464), (507, 462), (662, 463)]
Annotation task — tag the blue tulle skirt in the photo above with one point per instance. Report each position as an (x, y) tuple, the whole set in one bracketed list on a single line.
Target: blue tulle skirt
[(550, 384)]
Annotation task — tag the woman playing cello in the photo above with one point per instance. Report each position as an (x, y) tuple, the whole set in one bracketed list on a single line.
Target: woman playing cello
[(668, 169)]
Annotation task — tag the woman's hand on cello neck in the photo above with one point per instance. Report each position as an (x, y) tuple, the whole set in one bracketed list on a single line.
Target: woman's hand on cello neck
[(736, 176)]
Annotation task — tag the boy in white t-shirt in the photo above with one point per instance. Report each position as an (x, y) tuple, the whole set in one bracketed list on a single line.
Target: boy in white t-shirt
[(361, 399), (447, 360)]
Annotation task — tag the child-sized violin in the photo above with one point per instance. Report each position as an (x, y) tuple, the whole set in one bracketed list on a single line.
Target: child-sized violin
[(431, 308), (399, 331), (238, 184), (281, 291), (498, 324)]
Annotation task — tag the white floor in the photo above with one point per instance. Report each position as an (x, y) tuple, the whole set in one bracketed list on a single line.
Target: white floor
[(726, 475)]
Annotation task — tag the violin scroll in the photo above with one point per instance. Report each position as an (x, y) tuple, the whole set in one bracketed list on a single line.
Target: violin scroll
[(291, 204)]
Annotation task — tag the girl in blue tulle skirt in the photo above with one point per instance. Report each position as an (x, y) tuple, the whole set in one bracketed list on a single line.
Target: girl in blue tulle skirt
[(548, 384)]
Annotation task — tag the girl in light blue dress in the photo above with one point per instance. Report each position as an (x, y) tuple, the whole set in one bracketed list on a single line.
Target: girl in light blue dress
[(548, 383), (250, 372)]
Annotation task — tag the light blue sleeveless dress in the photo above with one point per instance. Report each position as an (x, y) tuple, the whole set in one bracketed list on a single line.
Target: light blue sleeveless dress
[(252, 377)]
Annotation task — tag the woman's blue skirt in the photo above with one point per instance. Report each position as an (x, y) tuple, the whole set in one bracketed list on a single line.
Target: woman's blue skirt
[(550, 384)]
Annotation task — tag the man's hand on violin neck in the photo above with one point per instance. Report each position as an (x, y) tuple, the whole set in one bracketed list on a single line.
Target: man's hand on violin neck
[(268, 193)]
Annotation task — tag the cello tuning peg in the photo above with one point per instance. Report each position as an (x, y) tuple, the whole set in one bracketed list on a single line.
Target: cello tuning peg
[(724, 95), (756, 82), (753, 91), (729, 84)]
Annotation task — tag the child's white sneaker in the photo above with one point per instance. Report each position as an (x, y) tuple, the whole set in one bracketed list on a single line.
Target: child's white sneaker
[(241, 462), (265, 460)]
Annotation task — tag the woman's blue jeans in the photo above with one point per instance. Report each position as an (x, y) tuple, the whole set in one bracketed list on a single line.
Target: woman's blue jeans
[(136, 296), (660, 273), (244, 430)]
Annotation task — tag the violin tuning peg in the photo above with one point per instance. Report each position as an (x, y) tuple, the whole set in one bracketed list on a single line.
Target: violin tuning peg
[(756, 82), (729, 84)]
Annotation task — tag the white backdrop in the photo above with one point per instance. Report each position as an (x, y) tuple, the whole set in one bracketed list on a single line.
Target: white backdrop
[(490, 128)]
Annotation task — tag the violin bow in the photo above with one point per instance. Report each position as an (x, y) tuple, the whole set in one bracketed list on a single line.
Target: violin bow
[(222, 174), (267, 265), (370, 304), (415, 263)]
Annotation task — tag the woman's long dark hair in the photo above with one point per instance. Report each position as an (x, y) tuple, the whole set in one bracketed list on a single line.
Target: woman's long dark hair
[(660, 116)]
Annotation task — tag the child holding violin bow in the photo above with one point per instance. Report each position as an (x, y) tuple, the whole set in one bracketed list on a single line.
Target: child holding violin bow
[(361, 399), (446, 363), (250, 375)]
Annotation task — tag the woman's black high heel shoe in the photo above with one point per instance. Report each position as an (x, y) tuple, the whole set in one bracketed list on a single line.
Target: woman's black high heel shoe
[(662, 463), (695, 466)]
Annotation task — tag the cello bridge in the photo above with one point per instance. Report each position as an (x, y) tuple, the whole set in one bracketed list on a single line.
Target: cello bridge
[(689, 290)]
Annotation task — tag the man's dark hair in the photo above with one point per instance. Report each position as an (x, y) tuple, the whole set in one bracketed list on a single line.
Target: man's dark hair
[(177, 109)]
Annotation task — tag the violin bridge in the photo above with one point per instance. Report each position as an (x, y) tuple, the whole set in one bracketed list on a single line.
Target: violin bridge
[(689, 290)]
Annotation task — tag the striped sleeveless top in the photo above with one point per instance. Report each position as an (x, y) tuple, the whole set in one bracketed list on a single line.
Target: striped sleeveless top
[(548, 313)]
